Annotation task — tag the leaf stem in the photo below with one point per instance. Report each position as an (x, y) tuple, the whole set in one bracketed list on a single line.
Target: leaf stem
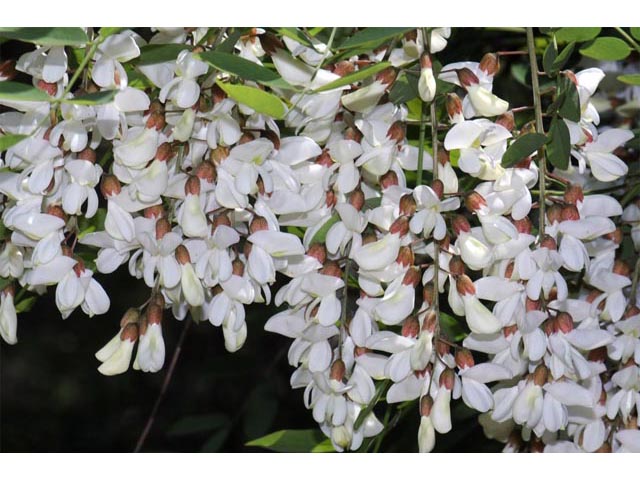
[(628, 38)]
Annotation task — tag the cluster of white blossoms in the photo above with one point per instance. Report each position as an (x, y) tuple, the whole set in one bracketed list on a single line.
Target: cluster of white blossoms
[(176, 166)]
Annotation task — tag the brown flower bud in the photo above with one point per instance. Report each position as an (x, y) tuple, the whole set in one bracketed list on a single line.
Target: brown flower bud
[(447, 379), (157, 299), (540, 375), (192, 186), (456, 265), (598, 355), (573, 194), (156, 121), (412, 277), (154, 314), (410, 327), (397, 132), (430, 322), (217, 94), (507, 120), (464, 358), (490, 64), (508, 271), (246, 137), (162, 228), (110, 185), (331, 268), (237, 267), (8, 70), (442, 348), (438, 188), (509, 330), (78, 268), (130, 317), (554, 213), (426, 404), (57, 211), (460, 224), (387, 76), (88, 154), (49, 88), (407, 205), (369, 238), (632, 311), (465, 286), (338, 370), (531, 305), (523, 225), (182, 255), (443, 156), (247, 249), (467, 77), (324, 159), (389, 179), (569, 212), (621, 267), (206, 171), (353, 134), (604, 448), (571, 76), (564, 322), (428, 294), (356, 199), (400, 226), (616, 236), (454, 105), (258, 224), (219, 154), (548, 242), (129, 332), (405, 256), (345, 67), (155, 211), (474, 202), (524, 163), (270, 43), (318, 251)]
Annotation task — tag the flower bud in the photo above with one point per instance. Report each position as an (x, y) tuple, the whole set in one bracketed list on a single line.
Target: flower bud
[(465, 286), (430, 322), (237, 267), (218, 155), (531, 305), (454, 106), (426, 404), (475, 202), (217, 94), (356, 199), (154, 314), (353, 134), (554, 214), (410, 327), (540, 375), (507, 120), (456, 265), (508, 271), (443, 156), (442, 348), (467, 77), (130, 317), (389, 179), (548, 242), (387, 76), (57, 211), (598, 355), (318, 251), (78, 268), (192, 186), (110, 186), (338, 370), (490, 64), (87, 154), (616, 236), (464, 358), (523, 225), (182, 255), (165, 152), (405, 256), (621, 267), (447, 379), (49, 88), (331, 268), (460, 224), (344, 67), (246, 138), (569, 212), (162, 228), (156, 120), (129, 332), (258, 224), (155, 211), (564, 322), (7, 70), (397, 132), (573, 194), (407, 205), (400, 226), (324, 159), (270, 43), (412, 277), (509, 330), (438, 188)]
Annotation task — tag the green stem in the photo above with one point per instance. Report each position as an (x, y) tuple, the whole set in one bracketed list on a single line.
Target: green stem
[(85, 61), (345, 297), (423, 129), (537, 104), (628, 38)]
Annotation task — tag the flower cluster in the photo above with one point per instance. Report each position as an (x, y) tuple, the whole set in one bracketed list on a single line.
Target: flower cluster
[(300, 184)]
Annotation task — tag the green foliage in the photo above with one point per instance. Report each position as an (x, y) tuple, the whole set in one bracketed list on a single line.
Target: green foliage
[(568, 100), (9, 140), (262, 407), (635, 32), (258, 100), (96, 98), (452, 327), (354, 77), (381, 389), (294, 441), (22, 92), (559, 145), (321, 234), (49, 36), (294, 34), (159, 53), (373, 37), (26, 304), (198, 424), (606, 48), (522, 148), (577, 34), (630, 79), (243, 68)]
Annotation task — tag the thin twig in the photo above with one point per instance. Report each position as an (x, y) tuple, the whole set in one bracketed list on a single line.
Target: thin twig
[(165, 386)]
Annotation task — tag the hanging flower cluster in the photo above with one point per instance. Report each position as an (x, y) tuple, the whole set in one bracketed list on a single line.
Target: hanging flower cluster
[(225, 169)]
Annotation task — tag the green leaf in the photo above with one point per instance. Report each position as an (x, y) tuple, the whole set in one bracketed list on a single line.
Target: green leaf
[(93, 224), (242, 68), (522, 148), (452, 327), (559, 145), (9, 140), (323, 447), (159, 53), (26, 304), (404, 89), (631, 79), (563, 58), (606, 48), (550, 54), (216, 441), (259, 100), (262, 407), (22, 92), (364, 413), (230, 42), (373, 36), (292, 441), (5, 281), (354, 77), (321, 234), (50, 36), (635, 32), (569, 100), (96, 98), (294, 34), (108, 31), (198, 424), (579, 34)]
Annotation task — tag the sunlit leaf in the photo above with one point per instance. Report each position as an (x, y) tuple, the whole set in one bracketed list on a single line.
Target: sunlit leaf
[(159, 53), (577, 34), (522, 148), (259, 100), (22, 92), (373, 36), (292, 441), (50, 36), (9, 140), (96, 98), (242, 68), (355, 76), (631, 79), (606, 48)]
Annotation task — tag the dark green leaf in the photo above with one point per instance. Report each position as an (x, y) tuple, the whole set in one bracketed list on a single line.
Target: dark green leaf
[(563, 58), (262, 408), (198, 424), (159, 53), (5, 281), (50, 36), (22, 92), (9, 140), (26, 304), (631, 79), (364, 413), (549, 57), (521, 73), (606, 48), (559, 145), (242, 68), (93, 224), (354, 77), (292, 441), (259, 100), (321, 234), (295, 34), (635, 32), (522, 148), (404, 89), (96, 98), (580, 34), (570, 101), (216, 441), (452, 327), (108, 31), (230, 42), (373, 36)]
